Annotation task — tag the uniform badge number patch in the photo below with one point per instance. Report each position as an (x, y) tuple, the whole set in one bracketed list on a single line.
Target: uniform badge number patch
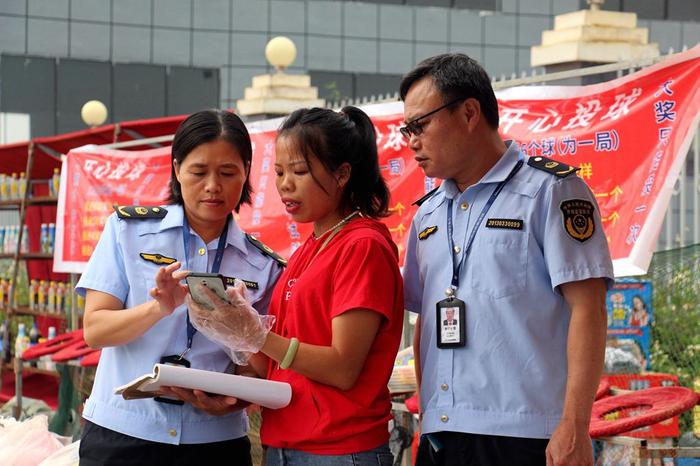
[(427, 232), (577, 215), (505, 223)]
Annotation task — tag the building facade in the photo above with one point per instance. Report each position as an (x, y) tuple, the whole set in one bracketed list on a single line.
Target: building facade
[(148, 58)]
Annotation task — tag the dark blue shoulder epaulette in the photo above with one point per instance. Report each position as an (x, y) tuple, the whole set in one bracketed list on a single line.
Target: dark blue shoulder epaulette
[(133, 212), (266, 250), (553, 167), (420, 201)]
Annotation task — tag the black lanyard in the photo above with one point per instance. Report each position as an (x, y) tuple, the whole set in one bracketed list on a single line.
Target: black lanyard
[(214, 268), (456, 265)]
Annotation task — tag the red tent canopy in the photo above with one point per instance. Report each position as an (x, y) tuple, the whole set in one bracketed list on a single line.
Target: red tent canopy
[(47, 150), (47, 156)]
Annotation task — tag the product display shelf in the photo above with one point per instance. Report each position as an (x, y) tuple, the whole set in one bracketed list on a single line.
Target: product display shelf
[(19, 367), (26, 311), (28, 255), (27, 369), (14, 204)]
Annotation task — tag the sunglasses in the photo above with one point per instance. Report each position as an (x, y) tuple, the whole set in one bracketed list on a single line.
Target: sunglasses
[(415, 128)]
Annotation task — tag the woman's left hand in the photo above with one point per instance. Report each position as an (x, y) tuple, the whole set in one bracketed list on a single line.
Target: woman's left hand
[(215, 405), (234, 324), (169, 292)]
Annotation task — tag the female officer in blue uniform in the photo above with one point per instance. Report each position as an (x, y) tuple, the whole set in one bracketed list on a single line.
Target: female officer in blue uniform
[(134, 307)]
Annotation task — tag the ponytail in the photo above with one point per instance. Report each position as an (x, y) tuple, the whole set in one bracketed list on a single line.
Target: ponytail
[(366, 187), (335, 138)]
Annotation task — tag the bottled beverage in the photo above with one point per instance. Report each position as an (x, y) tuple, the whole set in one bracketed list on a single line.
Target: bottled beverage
[(25, 239), (6, 339), (13, 187), (51, 297), (68, 300), (3, 292), (2, 238), (21, 341), (22, 185), (55, 180), (52, 236), (41, 296), (15, 238), (48, 364), (34, 335), (33, 290), (3, 187), (61, 298), (9, 233), (44, 238), (9, 301)]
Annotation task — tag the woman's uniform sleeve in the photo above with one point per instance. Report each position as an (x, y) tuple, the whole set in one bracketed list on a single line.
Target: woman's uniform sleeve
[(105, 270)]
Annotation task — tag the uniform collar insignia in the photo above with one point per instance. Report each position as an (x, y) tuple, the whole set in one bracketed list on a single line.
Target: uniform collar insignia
[(157, 259), (427, 232)]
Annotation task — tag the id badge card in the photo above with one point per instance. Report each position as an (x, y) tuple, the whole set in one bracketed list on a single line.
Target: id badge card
[(173, 360), (451, 323)]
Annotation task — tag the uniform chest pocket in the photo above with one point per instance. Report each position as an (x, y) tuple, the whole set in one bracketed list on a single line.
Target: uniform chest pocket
[(499, 262), (147, 273)]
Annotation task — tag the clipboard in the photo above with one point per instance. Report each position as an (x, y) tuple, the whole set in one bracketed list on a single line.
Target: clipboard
[(267, 393)]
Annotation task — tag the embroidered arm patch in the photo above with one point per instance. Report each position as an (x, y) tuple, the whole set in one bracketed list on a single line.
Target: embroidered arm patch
[(577, 218)]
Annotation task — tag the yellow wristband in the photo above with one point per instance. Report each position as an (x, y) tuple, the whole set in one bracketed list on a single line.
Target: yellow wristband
[(291, 353)]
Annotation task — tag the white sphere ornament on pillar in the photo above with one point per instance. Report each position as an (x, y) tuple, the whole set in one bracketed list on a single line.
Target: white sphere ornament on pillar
[(280, 52), (94, 113)]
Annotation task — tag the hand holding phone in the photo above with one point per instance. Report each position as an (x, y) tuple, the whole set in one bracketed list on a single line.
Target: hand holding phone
[(237, 326), (213, 281)]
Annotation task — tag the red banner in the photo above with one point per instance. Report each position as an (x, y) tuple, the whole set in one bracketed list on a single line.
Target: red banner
[(629, 137), (92, 180)]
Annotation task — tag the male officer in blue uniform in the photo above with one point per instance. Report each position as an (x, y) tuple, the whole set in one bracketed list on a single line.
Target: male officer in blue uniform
[(517, 246)]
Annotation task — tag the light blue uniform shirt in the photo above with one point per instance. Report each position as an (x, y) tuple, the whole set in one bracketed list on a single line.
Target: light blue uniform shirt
[(115, 267), (510, 378)]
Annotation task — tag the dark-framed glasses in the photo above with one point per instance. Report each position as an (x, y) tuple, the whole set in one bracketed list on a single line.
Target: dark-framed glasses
[(414, 127)]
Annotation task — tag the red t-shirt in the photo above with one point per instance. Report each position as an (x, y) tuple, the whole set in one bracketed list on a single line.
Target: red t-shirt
[(357, 269)]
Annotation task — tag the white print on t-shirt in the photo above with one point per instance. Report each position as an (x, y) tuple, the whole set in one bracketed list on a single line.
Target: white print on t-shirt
[(288, 291)]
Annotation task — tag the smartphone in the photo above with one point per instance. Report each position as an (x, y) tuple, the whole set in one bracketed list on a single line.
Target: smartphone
[(214, 281)]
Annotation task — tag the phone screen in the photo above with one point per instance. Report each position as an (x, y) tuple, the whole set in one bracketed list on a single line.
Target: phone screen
[(215, 282)]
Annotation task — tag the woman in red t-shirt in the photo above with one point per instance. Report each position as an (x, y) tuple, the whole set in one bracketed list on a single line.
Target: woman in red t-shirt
[(339, 303)]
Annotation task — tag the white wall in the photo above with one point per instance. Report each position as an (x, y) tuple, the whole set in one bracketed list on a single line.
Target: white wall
[(14, 127)]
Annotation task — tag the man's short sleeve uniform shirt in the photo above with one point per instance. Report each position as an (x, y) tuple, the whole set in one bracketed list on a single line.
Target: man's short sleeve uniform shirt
[(541, 231)]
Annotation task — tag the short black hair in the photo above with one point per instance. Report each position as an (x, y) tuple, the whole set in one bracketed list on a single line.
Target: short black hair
[(207, 126), (456, 76), (335, 138)]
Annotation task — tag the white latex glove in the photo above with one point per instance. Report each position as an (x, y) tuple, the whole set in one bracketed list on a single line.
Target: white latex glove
[(235, 325)]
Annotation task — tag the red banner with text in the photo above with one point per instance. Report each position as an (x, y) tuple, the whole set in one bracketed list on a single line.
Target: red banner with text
[(629, 138)]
